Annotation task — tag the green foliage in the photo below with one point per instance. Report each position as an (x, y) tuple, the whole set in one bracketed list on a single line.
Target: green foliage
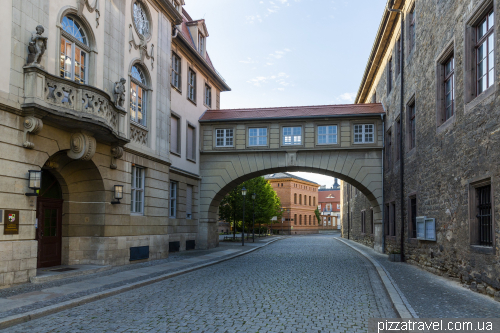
[(267, 203), (318, 215)]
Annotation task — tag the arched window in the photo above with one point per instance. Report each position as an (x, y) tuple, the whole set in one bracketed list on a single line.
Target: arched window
[(295, 198), (314, 201), (295, 219), (310, 219), (138, 96), (300, 199), (300, 219), (309, 200), (75, 49)]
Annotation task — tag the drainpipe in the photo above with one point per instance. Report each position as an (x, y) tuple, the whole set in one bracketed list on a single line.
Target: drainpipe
[(401, 163), (383, 171)]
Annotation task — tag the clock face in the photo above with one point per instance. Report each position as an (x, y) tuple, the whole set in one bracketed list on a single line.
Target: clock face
[(141, 20)]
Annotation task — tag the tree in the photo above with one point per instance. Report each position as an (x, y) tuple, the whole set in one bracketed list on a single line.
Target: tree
[(267, 203), (318, 216)]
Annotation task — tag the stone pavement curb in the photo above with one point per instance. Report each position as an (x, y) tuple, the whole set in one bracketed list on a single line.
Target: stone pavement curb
[(24, 317), (402, 307)]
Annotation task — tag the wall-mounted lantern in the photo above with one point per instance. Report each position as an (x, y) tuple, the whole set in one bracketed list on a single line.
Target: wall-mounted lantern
[(118, 194), (34, 182)]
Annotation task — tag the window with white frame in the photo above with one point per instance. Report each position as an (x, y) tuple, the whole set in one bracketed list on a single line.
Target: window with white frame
[(189, 202), (137, 190), (224, 137), (176, 71), (208, 95), (138, 100), (257, 136), (75, 50), (201, 43), (173, 199), (364, 133), (292, 135), (327, 134), (175, 146), (485, 53), (192, 85), (191, 143)]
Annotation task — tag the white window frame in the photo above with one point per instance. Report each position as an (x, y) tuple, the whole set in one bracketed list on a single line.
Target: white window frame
[(208, 95), (224, 135), (258, 136), (291, 138), (174, 188), (363, 133), (176, 71), (137, 171), (327, 134), (201, 43), (426, 228), (191, 95)]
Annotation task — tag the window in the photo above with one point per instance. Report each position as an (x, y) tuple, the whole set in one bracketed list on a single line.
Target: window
[(398, 56), (484, 217), (327, 134), (388, 152), (392, 219), (363, 222), (328, 207), (175, 135), (176, 71), (309, 200), (257, 136), (224, 138), (300, 219), (138, 102), (189, 202), (141, 20), (485, 56), (411, 30), (364, 133), (413, 217), (314, 201), (192, 85), (173, 199), (295, 198), (201, 43), (449, 86), (389, 76), (411, 126), (300, 199), (295, 219), (137, 193), (338, 206), (398, 139), (191, 143), (208, 96), (387, 219), (74, 51), (292, 135), (372, 222)]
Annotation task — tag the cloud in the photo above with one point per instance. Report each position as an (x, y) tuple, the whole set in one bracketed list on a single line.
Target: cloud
[(279, 54), (345, 98), (251, 19), (247, 61), (280, 79)]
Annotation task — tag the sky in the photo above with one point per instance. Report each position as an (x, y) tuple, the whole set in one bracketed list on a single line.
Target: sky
[(275, 53)]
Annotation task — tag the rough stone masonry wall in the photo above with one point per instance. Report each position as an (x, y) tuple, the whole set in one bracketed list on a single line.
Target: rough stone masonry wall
[(357, 203), (447, 158)]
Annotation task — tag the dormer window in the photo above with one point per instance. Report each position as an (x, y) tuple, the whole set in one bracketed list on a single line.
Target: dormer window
[(176, 5), (201, 44)]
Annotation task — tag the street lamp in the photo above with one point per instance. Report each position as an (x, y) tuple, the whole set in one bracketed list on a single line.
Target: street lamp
[(118, 194), (244, 194), (253, 223), (34, 182)]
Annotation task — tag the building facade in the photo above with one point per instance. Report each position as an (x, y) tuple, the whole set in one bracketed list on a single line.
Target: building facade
[(87, 101), (329, 206), (299, 199), (437, 76)]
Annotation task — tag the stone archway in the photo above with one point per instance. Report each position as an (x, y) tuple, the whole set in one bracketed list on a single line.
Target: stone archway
[(223, 171)]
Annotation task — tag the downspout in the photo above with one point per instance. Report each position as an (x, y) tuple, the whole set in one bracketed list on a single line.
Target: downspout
[(383, 172), (401, 163)]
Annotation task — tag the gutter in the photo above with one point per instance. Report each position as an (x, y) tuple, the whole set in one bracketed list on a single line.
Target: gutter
[(289, 118)]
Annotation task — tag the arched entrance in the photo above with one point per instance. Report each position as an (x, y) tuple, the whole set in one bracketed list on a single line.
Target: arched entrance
[(49, 221)]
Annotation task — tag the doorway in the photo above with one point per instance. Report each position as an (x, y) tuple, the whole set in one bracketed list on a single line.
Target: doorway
[(49, 216)]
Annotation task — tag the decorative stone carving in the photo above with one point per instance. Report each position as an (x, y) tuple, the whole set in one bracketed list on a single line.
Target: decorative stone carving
[(37, 46), (98, 105), (32, 125), (291, 158), (51, 165), (59, 94), (85, 3), (138, 135), (82, 146), (116, 153), (142, 47), (120, 93)]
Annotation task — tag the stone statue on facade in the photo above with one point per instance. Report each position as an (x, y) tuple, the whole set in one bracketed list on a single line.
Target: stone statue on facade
[(120, 93), (37, 46)]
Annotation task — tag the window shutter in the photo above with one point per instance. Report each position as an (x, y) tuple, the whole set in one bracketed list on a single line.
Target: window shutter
[(174, 143), (189, 201), (430, 229), (190, 142)]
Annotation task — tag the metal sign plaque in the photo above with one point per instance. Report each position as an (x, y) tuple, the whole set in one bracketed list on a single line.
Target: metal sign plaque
[(11, 222)]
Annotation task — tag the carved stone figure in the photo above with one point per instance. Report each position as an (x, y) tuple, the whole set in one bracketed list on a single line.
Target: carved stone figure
[(116, 153), (37, 46), (33, 126), (120, 93)]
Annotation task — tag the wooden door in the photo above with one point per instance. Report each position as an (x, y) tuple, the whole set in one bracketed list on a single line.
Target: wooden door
[(49, 214)]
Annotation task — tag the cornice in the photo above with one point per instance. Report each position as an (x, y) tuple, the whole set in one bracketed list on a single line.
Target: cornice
[(168, 8)]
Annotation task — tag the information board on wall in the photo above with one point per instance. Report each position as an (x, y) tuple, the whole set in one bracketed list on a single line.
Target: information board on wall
[(11, 220)]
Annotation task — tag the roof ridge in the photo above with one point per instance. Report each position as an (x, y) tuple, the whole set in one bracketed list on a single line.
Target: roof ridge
[(296, 107)]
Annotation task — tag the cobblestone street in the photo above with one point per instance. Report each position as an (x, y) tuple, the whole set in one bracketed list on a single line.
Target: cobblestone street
[(298, 284)]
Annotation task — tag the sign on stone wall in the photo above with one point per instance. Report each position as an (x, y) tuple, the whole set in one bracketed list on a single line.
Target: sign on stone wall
[(11, 222)]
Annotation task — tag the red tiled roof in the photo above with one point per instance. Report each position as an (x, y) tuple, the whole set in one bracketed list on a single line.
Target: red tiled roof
[(294, 112), (322, 196)]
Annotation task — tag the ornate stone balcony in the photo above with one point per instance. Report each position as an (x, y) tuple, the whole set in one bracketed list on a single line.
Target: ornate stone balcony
[(73, 106)]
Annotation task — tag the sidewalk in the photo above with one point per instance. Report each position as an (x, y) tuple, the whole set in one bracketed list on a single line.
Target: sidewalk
[(427, 295), (28, 301)]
